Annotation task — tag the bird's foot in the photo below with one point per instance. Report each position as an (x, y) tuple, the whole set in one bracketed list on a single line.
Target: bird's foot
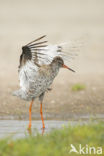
[(29, 129), (43, 130)]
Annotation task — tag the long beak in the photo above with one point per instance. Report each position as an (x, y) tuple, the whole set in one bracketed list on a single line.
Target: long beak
[(64, 66)]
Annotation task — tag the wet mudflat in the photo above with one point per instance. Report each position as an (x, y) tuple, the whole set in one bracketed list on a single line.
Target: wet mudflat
[(17, 29)]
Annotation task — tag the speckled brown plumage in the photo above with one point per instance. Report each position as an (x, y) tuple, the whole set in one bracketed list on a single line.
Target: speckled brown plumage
[(39, 65)]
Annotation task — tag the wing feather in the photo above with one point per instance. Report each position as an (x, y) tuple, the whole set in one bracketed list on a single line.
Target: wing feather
[(30, 52), (39, 53)]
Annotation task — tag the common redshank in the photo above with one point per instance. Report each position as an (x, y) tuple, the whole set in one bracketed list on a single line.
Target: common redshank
[(39, 65)]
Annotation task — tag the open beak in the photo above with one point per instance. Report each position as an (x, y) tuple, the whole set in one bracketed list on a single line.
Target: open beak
[(64, 66)]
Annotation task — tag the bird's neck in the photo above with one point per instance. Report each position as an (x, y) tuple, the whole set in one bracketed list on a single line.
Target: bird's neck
[(55, 68)]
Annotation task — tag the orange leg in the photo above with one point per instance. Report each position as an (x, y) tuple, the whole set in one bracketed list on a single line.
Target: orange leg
[(30, 108), (42, 116)]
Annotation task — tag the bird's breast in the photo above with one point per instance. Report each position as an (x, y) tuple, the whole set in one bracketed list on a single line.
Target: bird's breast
[(36, 84)]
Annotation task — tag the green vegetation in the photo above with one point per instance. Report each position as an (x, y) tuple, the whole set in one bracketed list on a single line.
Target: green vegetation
[(78, 87), (56, 143)]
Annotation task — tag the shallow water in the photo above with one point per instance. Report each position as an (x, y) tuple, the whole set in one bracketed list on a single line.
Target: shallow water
[(18, 128)]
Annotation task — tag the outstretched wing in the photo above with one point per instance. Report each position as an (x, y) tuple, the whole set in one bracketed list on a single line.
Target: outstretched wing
[(30, 52), (39, 53)]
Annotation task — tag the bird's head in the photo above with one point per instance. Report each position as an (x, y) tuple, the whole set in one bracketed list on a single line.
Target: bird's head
[(59, 61)]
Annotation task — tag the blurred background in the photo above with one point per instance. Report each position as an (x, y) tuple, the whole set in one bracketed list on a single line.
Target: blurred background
[(74, 95)]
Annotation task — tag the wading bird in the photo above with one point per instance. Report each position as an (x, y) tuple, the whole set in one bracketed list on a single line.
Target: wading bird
[(39, 65)]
